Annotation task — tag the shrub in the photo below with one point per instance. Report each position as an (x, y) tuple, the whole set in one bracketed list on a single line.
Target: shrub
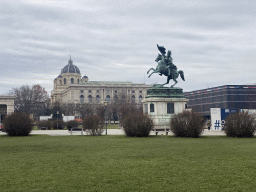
[(61, 124), (71, 124), (18, 124), (93, 124), (240, 124), (187, 124), (137, 125), (44, 123), (178, 125)]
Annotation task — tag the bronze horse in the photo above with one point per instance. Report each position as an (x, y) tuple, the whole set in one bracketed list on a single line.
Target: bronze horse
[(163, 69)]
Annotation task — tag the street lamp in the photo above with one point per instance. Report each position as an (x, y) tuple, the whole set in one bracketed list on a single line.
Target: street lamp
[(106, 103), (57, 119)]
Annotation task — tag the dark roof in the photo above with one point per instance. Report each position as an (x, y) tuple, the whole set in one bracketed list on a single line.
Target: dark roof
[(70, 68)]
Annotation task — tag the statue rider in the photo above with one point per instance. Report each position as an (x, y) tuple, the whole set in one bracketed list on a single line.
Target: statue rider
[(170, 65), (166, 67), (168, 60)]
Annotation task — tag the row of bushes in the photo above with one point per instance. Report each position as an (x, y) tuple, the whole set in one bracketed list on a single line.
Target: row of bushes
[(20, 124), (186, 124), (189, 124), (56, 124), (135, 124)]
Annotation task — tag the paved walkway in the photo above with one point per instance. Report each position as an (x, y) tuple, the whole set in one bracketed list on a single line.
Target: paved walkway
[(110, 132)]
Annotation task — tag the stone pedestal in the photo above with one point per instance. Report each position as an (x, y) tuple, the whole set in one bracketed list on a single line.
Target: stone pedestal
[(161, 103)]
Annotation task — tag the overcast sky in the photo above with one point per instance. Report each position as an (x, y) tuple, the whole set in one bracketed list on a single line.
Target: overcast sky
[(212, 41)]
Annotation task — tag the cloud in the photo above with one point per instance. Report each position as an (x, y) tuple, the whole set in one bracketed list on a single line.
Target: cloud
[(213, 42)]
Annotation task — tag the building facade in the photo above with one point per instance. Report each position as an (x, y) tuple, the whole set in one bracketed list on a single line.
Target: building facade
[(71, 88), (226, 96), (6, 106)]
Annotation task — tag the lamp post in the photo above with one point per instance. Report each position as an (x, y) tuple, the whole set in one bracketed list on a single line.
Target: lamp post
[(76, 105), (106, 103), (57, 119)]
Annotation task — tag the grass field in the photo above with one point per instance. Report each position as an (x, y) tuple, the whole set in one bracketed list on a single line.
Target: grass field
[(119, 163)]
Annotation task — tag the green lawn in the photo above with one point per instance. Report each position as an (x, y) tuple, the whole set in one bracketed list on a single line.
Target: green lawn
[(112, 126), (119, 163)]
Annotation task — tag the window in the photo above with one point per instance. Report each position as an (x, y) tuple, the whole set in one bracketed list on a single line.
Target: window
[(133, 91), (133, 98), (72, 81), (89, 91), (82, 91), (116, 98), (115, 91), (77, 81), (81, 99), (108, 98), (170, 108), (89, 99), (140, 91), (60, 82), (108, 91), (97, 99), (152, 107), (146, 108), (140, 98), (65, 81), (98, 91)]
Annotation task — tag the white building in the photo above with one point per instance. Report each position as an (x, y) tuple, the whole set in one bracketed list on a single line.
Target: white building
[(71, 87), (6, 105)]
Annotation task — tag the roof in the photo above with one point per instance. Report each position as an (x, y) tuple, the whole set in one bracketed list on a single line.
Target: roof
[(70, 68)]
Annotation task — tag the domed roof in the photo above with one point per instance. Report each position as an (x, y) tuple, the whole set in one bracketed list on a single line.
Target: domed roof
[(70, 68), (85, 76)]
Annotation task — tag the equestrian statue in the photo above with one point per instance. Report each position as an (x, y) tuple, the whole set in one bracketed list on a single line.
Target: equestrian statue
[(166, 67)]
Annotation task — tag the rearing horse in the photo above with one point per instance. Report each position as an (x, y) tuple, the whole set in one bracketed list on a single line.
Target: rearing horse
[(163, 69)]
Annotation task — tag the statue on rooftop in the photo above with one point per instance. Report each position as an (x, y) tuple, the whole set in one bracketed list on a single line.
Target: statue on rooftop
[(166, 67)]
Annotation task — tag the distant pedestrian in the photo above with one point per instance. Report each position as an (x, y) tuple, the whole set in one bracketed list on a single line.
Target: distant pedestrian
[(209, 124)]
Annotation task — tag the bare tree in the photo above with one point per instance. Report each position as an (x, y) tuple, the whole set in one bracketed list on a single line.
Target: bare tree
[(31, 100), (85, 109), (68, 108), (121, 105), (100, 110), (118, 107)]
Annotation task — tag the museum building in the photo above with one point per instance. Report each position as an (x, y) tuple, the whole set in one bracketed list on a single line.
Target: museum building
[(71, 88), (226, 96)]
